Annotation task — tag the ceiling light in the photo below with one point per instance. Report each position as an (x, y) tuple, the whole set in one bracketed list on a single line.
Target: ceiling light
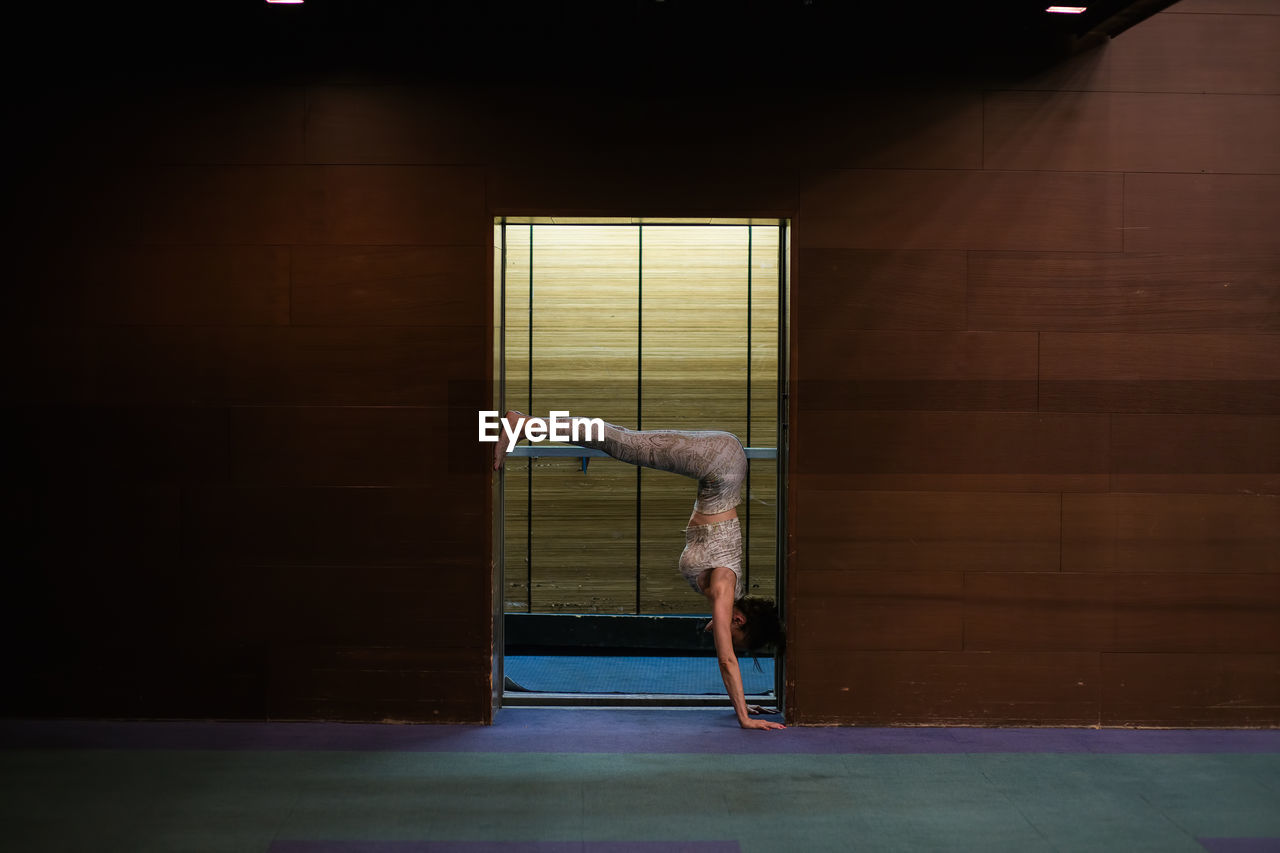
[(1066, 10)]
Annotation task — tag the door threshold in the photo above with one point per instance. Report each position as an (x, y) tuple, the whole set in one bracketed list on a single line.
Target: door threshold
[(525, 699)]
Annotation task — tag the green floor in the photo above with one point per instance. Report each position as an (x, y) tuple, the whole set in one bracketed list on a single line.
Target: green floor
[(170, 800)]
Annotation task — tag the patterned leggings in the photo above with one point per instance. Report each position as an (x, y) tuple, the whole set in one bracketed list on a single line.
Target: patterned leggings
[(717, 461)]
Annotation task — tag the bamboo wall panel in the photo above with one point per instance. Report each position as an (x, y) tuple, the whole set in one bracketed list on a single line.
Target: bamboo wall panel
[(1131, 132), (585, 321), (387, 286), (760, 532), (873, 289), (854, 531), (1164, 292), (694, 360), (515, 531), (1195, 453), (1188, 213), (585, 329), (583, 547), (762, 420), (1170, 533), (614, 336), (665, 503), (908, 209)]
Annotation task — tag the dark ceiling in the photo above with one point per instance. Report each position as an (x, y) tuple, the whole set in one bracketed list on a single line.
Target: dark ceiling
[(590, 39)]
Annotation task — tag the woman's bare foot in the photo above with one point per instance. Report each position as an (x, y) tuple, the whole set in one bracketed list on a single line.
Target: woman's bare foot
[(515, 420)]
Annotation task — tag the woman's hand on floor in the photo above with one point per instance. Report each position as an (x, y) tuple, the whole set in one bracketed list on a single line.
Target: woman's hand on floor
[(763, 725)]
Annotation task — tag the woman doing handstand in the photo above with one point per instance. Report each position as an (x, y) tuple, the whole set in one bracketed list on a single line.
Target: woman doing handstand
[(712, 557)]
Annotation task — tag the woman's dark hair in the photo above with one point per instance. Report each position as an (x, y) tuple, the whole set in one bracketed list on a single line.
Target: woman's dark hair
[(762, 629)]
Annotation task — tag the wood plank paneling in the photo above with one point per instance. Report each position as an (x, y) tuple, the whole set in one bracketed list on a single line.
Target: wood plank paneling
[(1038, 611), (1225, 7), (676, 190), (158, 285), (75, 445), (1228, 54), (874, 610), (1170, 533), (906, 209), (1131, 132), (900, 129), (387, 684), (335, 526), (396, 124), (77, 527), (921, 531), (955, 371), (209, 123), (1167, 292), (942, 688), (349, 446), (337, 605), (1190, 689), (362, 205), (1197, 612), (1194, 213), (870, 289), (1210, 373), (389, 286), (1195, 453), (974, 451), (281, 365)]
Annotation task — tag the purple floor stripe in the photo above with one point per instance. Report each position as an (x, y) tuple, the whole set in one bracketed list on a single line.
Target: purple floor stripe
[(620, 731), (1241, 845), (504, 847)]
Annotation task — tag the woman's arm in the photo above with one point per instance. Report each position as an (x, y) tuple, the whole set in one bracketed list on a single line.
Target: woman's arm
[(720, 590)]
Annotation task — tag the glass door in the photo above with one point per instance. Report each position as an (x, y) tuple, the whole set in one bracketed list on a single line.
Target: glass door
[(647, 324)]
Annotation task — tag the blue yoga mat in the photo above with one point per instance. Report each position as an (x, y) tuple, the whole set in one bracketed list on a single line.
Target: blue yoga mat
[(602, 674)]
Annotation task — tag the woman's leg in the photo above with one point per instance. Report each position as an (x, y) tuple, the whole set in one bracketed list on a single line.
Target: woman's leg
[(715, 459)]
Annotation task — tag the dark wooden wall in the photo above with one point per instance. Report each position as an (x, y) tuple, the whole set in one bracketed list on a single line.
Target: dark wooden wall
[(1037, 443), (1036, 411)]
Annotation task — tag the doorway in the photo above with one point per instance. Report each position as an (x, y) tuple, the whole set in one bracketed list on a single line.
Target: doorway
[(646, 323)]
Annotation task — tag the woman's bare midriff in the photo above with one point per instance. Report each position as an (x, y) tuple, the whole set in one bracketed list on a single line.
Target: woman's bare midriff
[(699, 518)]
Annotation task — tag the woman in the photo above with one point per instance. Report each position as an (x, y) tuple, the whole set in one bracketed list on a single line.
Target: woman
[(712, 558)]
